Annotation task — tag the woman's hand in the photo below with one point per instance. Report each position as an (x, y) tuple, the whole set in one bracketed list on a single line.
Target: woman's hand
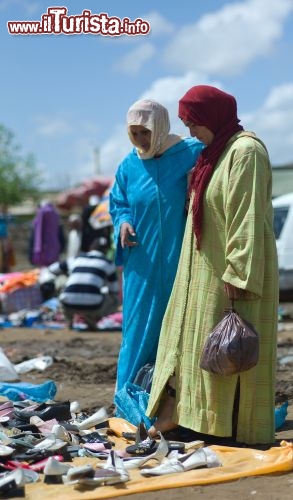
[(127, 231)]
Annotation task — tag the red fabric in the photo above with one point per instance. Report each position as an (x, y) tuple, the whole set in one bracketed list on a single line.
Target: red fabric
[(216, 110)]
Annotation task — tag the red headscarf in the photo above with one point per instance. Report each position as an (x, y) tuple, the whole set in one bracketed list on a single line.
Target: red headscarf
[(216, 110)]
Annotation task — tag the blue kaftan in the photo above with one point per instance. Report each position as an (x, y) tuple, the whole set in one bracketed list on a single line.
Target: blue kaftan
[(150, 195)]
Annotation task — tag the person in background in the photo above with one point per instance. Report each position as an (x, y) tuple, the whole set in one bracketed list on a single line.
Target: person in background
[(74, 236), (7, 253), (228, 253), (91, 289), (88, 233), (47, 239), (101, 222), (147, 206)]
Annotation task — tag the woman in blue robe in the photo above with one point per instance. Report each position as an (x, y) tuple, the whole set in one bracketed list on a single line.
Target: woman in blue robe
[(148, 209)]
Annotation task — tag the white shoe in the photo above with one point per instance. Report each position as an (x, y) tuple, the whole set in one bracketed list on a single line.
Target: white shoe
[(97, 418), (12, 481), (55, 468), (61, 433), (49, 443), (212, 458), (115, 463), (5, 450), (194, 460), (101, 477), (75, 409), (75, 474), (113, 472), (160, 453)]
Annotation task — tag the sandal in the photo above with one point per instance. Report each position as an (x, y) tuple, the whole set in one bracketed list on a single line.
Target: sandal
[(144, 447), (161, 452), (149, 446), (96, 437)]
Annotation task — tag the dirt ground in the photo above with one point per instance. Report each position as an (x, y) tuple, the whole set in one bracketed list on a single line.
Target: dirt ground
[(84, 370)]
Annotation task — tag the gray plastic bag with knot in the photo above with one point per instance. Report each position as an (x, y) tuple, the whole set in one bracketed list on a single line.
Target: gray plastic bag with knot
[(232, 346)]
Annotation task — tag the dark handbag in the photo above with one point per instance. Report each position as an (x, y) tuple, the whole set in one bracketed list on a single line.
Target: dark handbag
[(232, 346)]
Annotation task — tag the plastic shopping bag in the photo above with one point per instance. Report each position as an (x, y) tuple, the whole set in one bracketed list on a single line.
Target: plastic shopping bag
[(232, 347), (131, 403)]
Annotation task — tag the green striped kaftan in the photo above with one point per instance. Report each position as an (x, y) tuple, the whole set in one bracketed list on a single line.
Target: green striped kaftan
[(238, 246)]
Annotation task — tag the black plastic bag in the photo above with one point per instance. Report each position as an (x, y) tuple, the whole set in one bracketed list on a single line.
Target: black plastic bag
[(144, 377), (232, 347)]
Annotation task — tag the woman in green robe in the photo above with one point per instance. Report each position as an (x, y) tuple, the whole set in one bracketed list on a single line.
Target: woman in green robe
[(228, 252)]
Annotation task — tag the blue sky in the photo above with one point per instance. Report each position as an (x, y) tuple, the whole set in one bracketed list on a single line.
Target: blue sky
[(66, 96)]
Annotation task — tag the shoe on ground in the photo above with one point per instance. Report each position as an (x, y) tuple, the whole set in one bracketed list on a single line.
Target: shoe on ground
[(59, 411), (96, 418), (54, 470), (200, 458), (159, 454), (11, 482)]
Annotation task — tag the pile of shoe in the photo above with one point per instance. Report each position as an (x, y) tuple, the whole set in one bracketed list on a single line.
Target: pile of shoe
[(170, 455), (44, 438), (38, 438)]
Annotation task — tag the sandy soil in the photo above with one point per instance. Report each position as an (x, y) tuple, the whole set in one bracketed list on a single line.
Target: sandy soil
[(84, 370)]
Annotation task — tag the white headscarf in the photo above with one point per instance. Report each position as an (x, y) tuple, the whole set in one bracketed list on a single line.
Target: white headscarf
[(154, 117)]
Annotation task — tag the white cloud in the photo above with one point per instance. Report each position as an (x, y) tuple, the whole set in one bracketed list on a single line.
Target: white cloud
[(169, 90), (280, 97), (134, 60), (226, 41), (53, 127), (272, 123), (28, 7), (159, 25)]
